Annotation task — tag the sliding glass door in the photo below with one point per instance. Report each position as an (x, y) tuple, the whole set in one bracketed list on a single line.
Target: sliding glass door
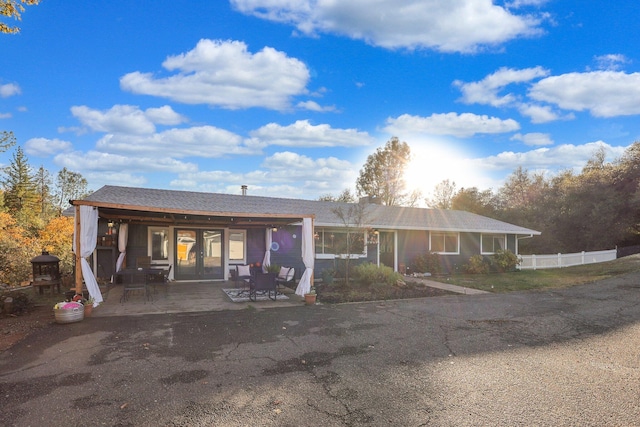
[(199, 254)]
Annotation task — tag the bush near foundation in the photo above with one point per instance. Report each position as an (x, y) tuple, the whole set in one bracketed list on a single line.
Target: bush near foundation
[(426, 263), (370, 274)]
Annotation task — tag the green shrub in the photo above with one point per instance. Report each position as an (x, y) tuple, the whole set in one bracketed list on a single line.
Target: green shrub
[(327, 276), (22, 303), (426, 263), (504, 260), (477, 265), (370, 273)]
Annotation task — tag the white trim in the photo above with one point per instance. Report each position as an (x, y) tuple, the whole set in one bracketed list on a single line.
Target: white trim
[(493, 235), (457, 252), (244, 246), (323, 230), (152, 229)]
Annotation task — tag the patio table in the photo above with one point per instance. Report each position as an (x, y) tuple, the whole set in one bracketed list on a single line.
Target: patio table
[(138, 279)]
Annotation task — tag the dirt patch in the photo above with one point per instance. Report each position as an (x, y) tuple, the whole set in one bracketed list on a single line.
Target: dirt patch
[(31, 311), (15, 328), (339, 293)]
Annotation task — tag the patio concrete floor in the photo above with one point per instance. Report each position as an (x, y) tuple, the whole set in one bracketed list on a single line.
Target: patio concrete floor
[(189, 297), (182, 297)]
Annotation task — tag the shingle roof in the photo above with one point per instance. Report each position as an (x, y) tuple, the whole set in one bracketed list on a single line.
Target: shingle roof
[(378, 216)]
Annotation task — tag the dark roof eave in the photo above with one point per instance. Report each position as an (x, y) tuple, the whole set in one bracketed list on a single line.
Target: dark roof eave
[(123, 207)]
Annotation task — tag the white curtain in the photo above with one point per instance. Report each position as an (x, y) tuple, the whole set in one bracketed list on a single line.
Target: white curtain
[(266, 262), (88, 236), (307, 257), (123, 235)]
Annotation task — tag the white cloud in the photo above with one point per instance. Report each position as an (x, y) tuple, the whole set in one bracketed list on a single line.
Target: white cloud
[(304, 134), (315, 176), (540, 113), (602, 93), (225, 74), (200, 141), (533, 138), (126, 119), (314, 106), (446, 26), (460, 125), (5, 115), (94, 161), (44, 147), (522, 3), (164, 116), (9, 89), (611, 62), (486, 91), (552, 160), (123, 178)]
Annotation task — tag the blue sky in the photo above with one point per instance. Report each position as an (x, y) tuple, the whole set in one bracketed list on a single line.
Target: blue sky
[(289, 97)]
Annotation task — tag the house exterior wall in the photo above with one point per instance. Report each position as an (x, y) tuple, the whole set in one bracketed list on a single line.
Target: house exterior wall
[(137, 242), (255, 245), (411, 243), (286, 249)]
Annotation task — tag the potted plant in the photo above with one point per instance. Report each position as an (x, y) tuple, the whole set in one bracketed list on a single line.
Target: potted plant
[(273, 268), (310, 297), (88, 306)]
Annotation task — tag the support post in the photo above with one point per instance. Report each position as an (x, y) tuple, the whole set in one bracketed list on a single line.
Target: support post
[(78, 256)]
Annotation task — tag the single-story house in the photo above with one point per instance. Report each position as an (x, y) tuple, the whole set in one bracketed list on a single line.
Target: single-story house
[(203, 235)]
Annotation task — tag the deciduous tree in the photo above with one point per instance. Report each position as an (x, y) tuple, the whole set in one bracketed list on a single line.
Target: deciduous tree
[(353, 217), (382, 176), (443, 194), (69, 186), (13, 9), (345, 196)]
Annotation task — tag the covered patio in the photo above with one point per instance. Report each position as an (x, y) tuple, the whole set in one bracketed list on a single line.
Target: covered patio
[(196, 238), (186, 297)]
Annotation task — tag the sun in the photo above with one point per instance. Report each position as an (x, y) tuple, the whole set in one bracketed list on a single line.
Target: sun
[(433, 163)]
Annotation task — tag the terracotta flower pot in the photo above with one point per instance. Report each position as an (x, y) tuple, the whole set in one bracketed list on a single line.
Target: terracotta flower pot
[(310, 299), (88, 309)]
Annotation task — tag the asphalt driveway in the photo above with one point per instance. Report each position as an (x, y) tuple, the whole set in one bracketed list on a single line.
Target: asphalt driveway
[(554, 358)]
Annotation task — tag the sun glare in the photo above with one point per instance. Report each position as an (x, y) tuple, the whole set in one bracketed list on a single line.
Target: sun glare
[(433, 164)]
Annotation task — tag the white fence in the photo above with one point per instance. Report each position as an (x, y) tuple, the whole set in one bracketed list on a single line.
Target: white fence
[(534, 262)]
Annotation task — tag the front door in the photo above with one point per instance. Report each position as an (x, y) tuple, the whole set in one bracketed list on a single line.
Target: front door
[(387, 248), (199, 254)]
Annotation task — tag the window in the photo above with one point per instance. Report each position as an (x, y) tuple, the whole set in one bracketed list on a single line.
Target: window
[(339, 242), (492, 242), (159, 244), (237, 246), (445, 243)]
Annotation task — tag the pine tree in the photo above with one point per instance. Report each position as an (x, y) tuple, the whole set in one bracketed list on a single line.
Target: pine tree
[(20, 192)]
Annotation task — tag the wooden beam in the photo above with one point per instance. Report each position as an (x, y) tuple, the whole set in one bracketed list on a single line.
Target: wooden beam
[(78, 256)]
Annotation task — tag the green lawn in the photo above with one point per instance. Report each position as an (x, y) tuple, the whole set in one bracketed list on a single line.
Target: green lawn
[(544, 279)]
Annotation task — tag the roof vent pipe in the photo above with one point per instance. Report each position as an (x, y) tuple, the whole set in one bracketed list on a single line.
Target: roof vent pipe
[(244, 189)]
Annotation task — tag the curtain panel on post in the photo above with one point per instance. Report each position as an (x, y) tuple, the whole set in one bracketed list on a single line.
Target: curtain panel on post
[(304, 285), (266, 262), (123, 236), (88, 235)]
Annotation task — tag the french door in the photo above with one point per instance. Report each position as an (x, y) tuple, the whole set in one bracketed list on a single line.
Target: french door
[(199, 254)]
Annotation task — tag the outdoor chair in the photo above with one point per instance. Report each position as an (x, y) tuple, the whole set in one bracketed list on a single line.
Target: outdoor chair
[(162, 279), (135, 282), (286, 277), (242, 278), (143, 262), (265, 283)]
